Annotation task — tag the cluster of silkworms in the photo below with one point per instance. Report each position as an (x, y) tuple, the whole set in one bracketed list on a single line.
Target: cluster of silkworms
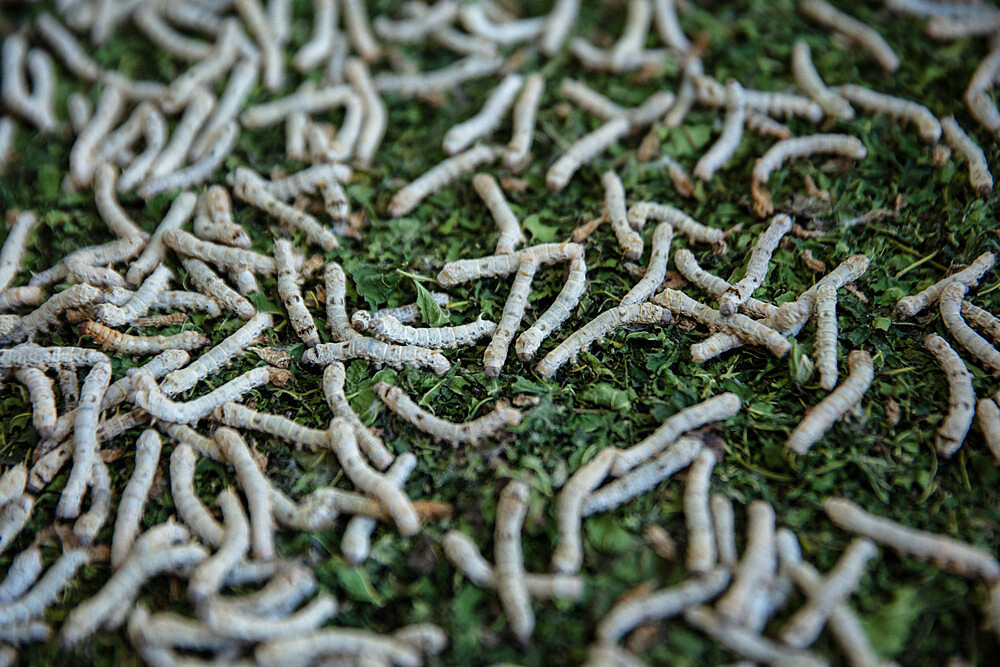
[(165, 291)]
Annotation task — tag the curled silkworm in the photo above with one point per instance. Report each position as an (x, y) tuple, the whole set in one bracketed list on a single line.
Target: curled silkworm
[(47, 591), (725, 147), (67, 47), (748, 643), (827, 15), (250, 188), (291, 295), (632, 40), (13, 517), (86, 528), (557, 313), (826, 336), (909, 306), (950, 304), (583, 151), (12, 253), (660, 604), (657, 268), (741, 325), (335, 282), (598, 328), (338, 642), (738, 293), (446, 78), (108, 207), (370, 444), (207, 578), (36, 106), (946, 552), (838, 144), (510, 229), (809, 82), (465, 270), (523, 121), (356, 541), (147, 457), (961, 396), (895, 107), (390, 329), (682, 223), (324, 34), (84, 439), (509, 560), (189, 508), (467, 432), (667, 26), (21, 574), (362, 347), (219, 356), (614, 202), (848, 393), (755, 571), (241, 417), (510, 319), (256, 488), (486, 121), (988, 416), (701, 553), (438, 177), (211, 284), (979, 171), (272, 53), (568, 555), (138, 303), (147, 395), (43, 400)]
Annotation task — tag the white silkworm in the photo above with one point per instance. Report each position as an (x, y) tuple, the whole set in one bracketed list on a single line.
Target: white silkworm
[(476, 21), (86, 528), (558, 24), (321, 42), (335, 282), (765, 126), (748, 643), (12, 298), (828, 16), (12, 253), (356, 541), (197, 172), (388, 328), (291, 296), (797, 147), (389, 496), (950, 304), (84, 439), (339, 642), (272, 53), (204, 73), (465, 270), (741, 325), (187, 301), (809, 82), (510, 319), (147, 458), (568, 555), (206, 280), (979, 171), (219, 356), (723, 521), (557, 313), (241, 417), (583, 151), (438, 177), (682, 223), (34, 107), (207, 578), (686, 93), (169, 630), (333, 388), (68, 49), (614, 202), (242, 626), (47, 591), (848, 393), (154, 131), (826, 336), (598, 328), (241, 83), (446, 78), (179, 213), (306, 181), (710, 92), (6, 141), (957, 27), (250, 188), (988, 415), (109, 109), (139, 302), (147, 19), (172, 156), (927, 124), (12, 484), (13, 517), (660, 604), (419, 22), (147, 395), (523, 122), (362, 347), (597, 59), (189, 508), (509, 570), (657, 268), (214, 219), (977, 95), (701, 552), (256, 488), (483, 124), (590, 100), (510, 229), (43, 400), (945, 552), (359, 30), (668, 27), (961, 396), (738, 293), (466, 432), (375, 114), (725, 147), (50, 357), (688, 267), (108, 207), (755, 571), (69, 386), (909, 306), (22, 572)]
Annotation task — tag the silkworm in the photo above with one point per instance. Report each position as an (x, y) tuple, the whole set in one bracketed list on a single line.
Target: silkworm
[(148, 19), (725, 532), (945, 552), (172, 157), (692, 69), (340, 642), (594, 58), (977, 93), (50, 357), (465, 270), (13, 517), (241, 417), (307, 99), (957, 27), (306, 181), (668, 27), (370, 444), (147, 458), (194, 80), (925, 121), (109, 109), (471, 432), (475, 20), (12, 483), (86, 528), (510, 229), (241, 83), (235, 624), (214, 219), (374, 112), (483, 124), (988, 416), (797, 147), (510, 319), (362, 347), (272, 53), (979, 171), (826, 336), (211, 284), (755, 571), (598, 328), (656, 269), (84, 439), (140, 301), (590, 100), (961, 396), (523, 122), (154, 132), (43, 400), (682, 223), (557, 313), (67, 48), (614, 201), (950, 304), (710, 92), (909, 306), (701, 552), (688, 267), (748, 643), (420, 20), (129, 345), (741, 325), (108, 207), (256, 488), (583, 151), (388, 328), (725, 147), (22, 572), (336, 313), (207, 578), (180, 211), (509, 569), (291, 296), (438, 177), (395, 502), (12, 253), (6, 141), (249, 188), (169, 630), (558, 24), (69, 386), (359, 30), (187, 301), (189, 508), (147, 395), (323, 35), (18, 297), (809, 82), (47, 591), (765, 126), (760, 257), (443, 79), (36, 107), (568, 555), (828, 16), (356, 541), (198, 172)]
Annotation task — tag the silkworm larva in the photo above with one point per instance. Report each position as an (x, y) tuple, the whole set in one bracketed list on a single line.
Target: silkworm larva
[(43, 400), (362, 347), (291, 295), (154, 131), (169, 630), (296, 124), (950, 304), (47, 591), (475, 20), (590, 100), (355, 543), (370, 444), (827, 15), (12, 253), (129, 345), (509, 569), (86, 528), (147, 19), (21, 574), (219, 356), (523, 122), (69, 387), (466, 432), (13, 517), (979, 171), (701, 552), (107, 113), (36, 107), (147, 395), (785, 105), (510, 319), (306, 100), (826, 336), (583, 151), (272, 53), (927, 124), (632, 39), (152, 255), (741, 325), (568, 555), (748, 643), (725, 530), (419, 22), (242, 80), (249, 187), (760, 257), (187, 301), (147, 458), (465, 270), (510, 229), (395, 502), (594, 58), (446, 78), (957, 27), (68, 49), (668, 27), (50, 357), (6, 141), (390, 329), (375, 114), (682, 223), (765, 126), (138, 303), (206, 280), (558, 24), (821, 417), (84, 439), (809, 82), (977, 95), (235, 624), (657, 268), (557, 313), (961, 396), (241, 417), (797, 147), (438, 177), (336, 313), (200, 171), (686, 93), (909, 306), (207, 578), (108, 207), (483, 124), (359, 30), (323, 35), (339, 642), (688, 267), (614, 201), (945, 552), (172, 156), (723, 149), (205, 72), (755, 571), (988, 415), (12, 484), (189, 508), (256, 488)]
